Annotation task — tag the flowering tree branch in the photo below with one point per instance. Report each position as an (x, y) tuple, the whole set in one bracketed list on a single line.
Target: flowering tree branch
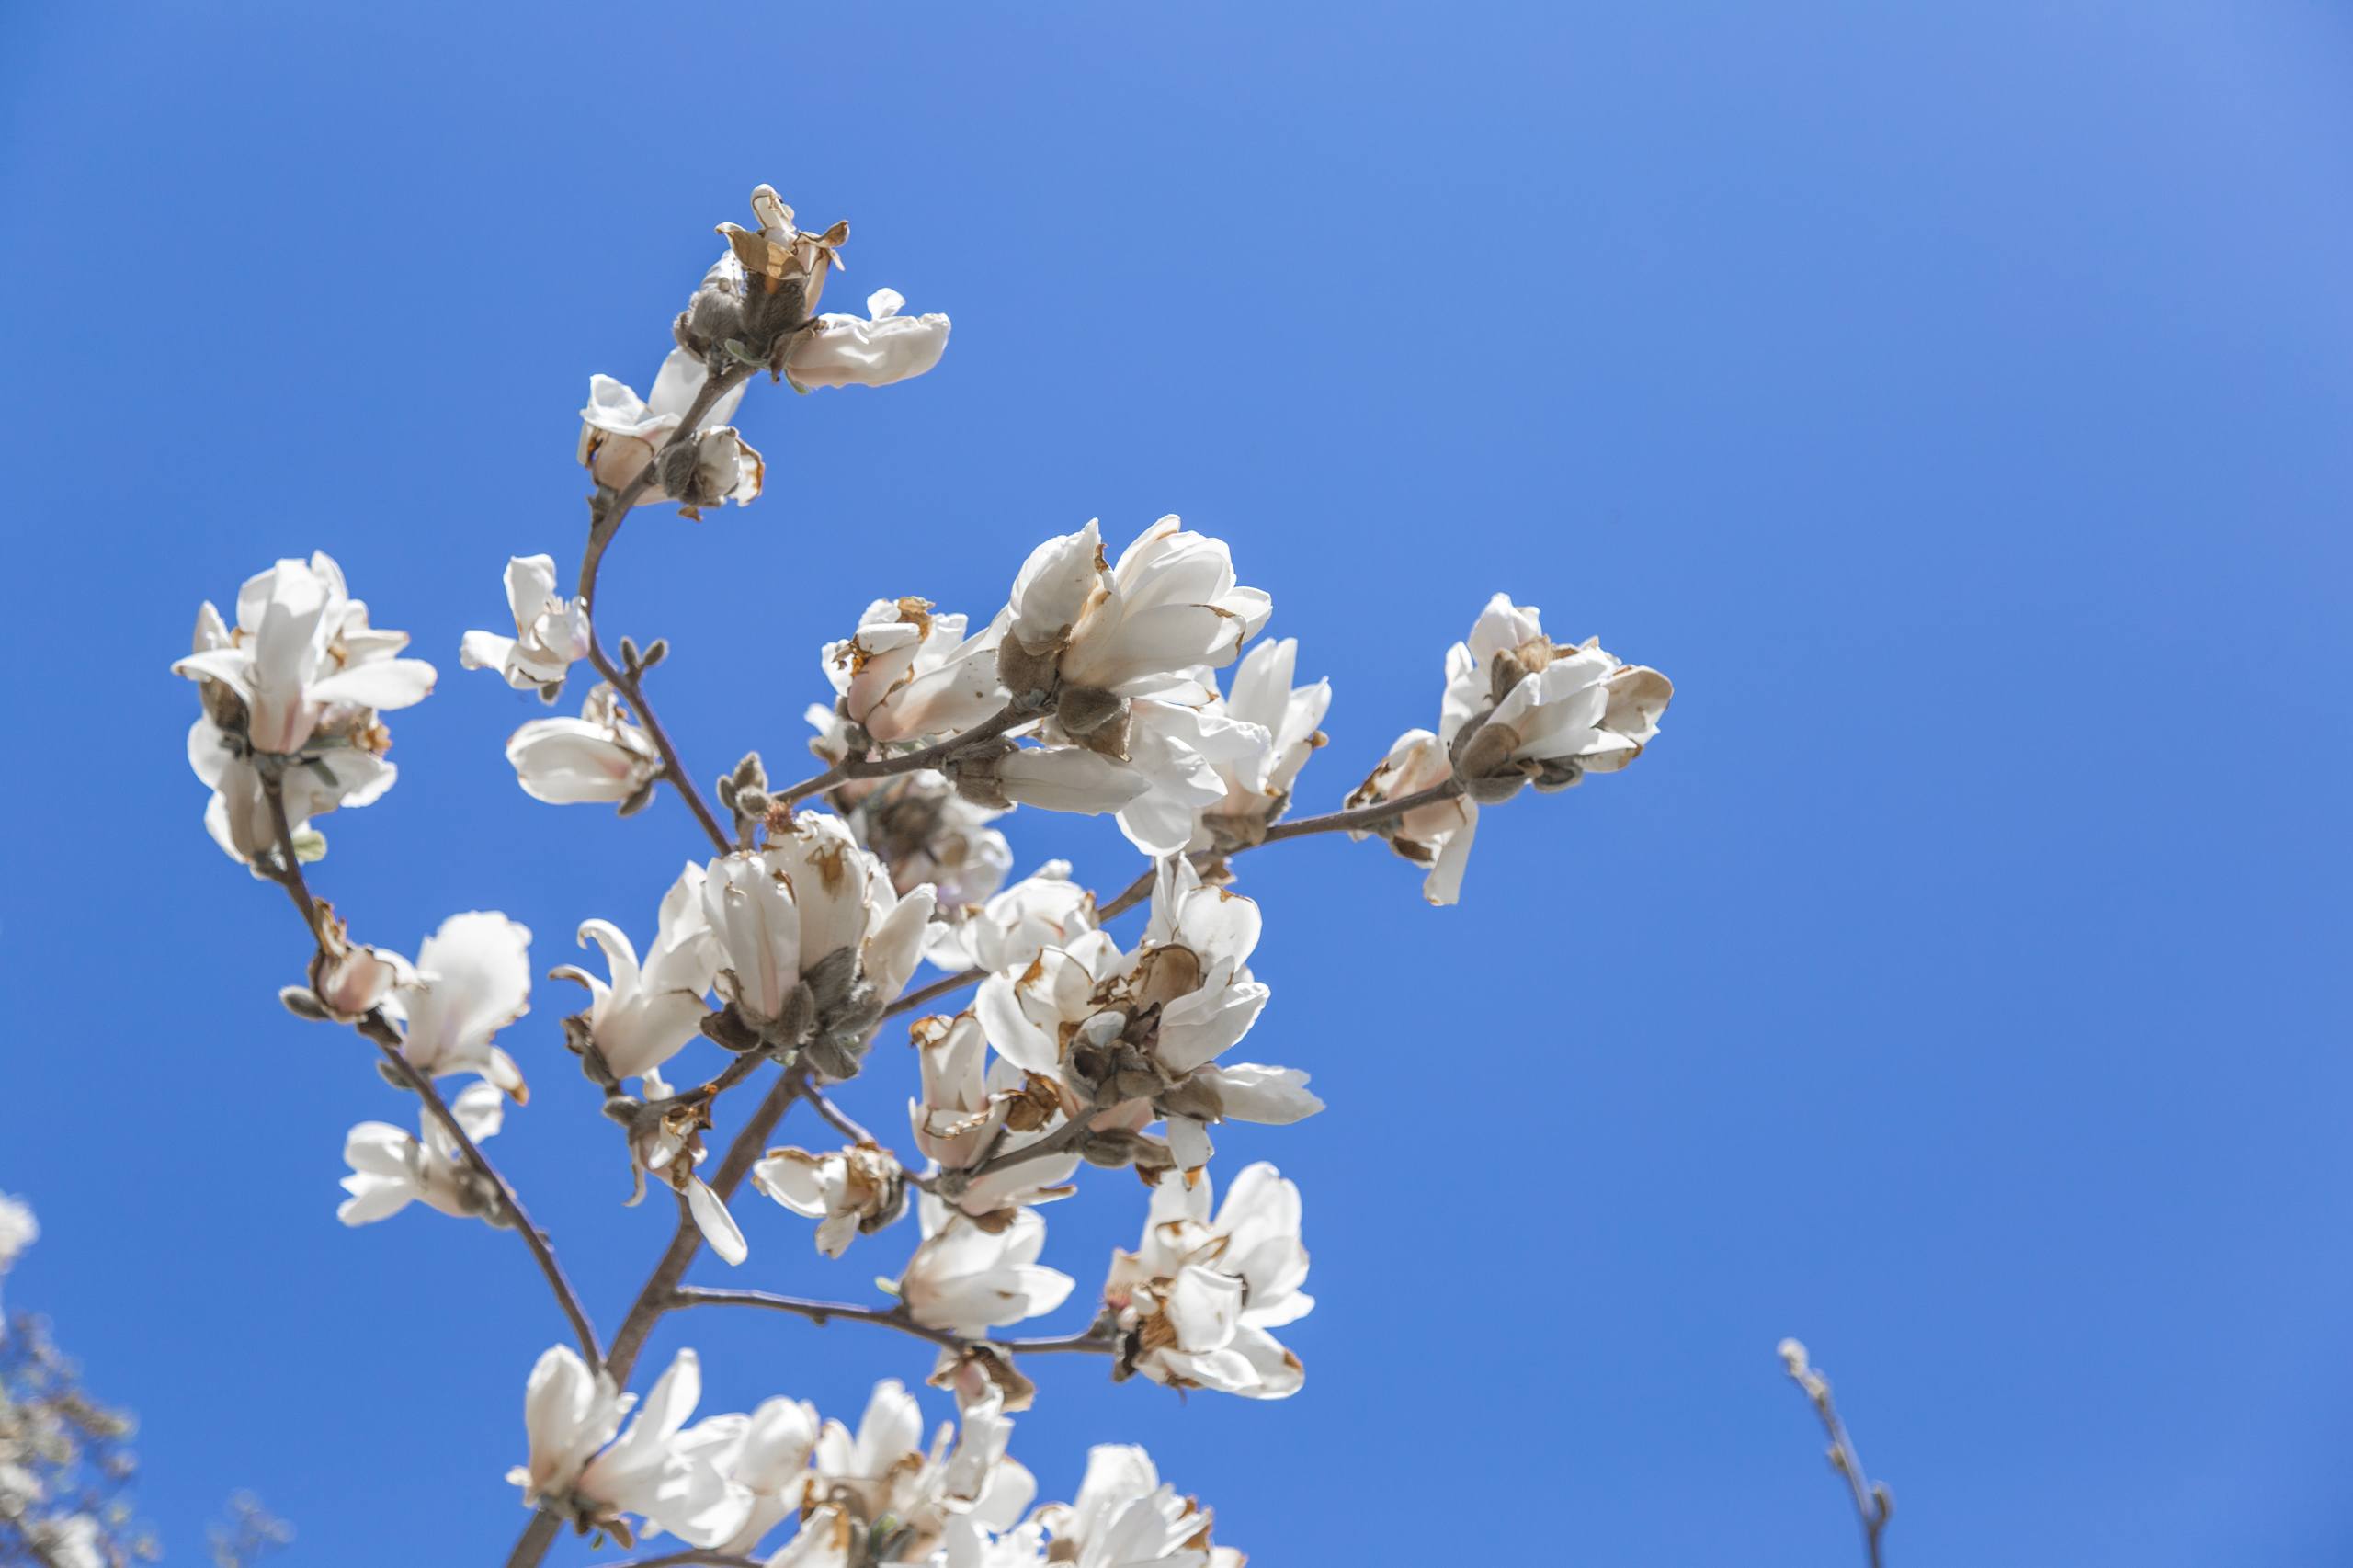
[(1874, 1504), (379, 1031), (1089, 1341)]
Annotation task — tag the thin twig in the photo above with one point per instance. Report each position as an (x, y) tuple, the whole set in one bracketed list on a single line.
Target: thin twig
[(934, 990), (897, 1317), (837, 1118), (1011, 716), (606, 512), (377, 1028), (1873, 1503)]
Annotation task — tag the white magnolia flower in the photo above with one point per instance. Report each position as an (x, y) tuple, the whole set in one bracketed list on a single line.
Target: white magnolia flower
[(302, 658), (814, 939), (670, 1147), (1438, 835), (68, 1540), (845, 351), (1118, 1028), (620, 433), (473, 978), (882, 1489), (390, 1169), (966, 1279), (925, 832), (1258, 787), (849, 1190), (1187, 756), (910, 677), (1199, 1295), (1518, 703), (971, 1109), (292, 692), (647, 1012), (550, 631), (1067, 778), (601, 756), (769, 1463), (1134, 629), (349, 979), (1126, 1516), (1042, 910), (659, 1470)]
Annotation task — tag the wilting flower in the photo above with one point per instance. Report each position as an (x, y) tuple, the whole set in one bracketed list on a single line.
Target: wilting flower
[(971, 1109), (852, 1189), (600, 757), (658, 1469), (1197, 1297), (1148, 1026), (908, 676), (473, 978), (1520, 708), (666, 1143), (621, 433), (291, 693), (550, 631), (391, 1169), (1437, 834), (647, 1012), (814, 940), (1258, 787), (1126, 1516), (968, 1279), (848, 351), (779, 259)]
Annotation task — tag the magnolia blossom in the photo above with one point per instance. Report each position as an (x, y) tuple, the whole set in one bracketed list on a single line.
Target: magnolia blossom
[(1437, 834), (647, 1012), (390, 1169), (18, 1229), (850, 1190), (1052, 778), (669, 1146), (1042, 910), (349, 979), (291, 693), (971, 1109), (924, 830), (1257, 787), (600, 757), (1148, 1026), (1517, 710), (909, 676), (880, 1488), (968, 1279), (1132, 629), (845, 351), (659, 1469), (1198, 1296), (768, 1464), (1188, 756), (473, 978), (620, 433), (814, 940), (550, 631), (1126, 1516)]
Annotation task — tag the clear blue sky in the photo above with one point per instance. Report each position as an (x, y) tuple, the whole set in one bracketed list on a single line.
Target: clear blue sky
[(1952, 399)]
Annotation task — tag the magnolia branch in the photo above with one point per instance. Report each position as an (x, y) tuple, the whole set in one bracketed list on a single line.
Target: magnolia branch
[(1010, 716), (379, 1029), (1088, 1341), (606, 512), (1873, 1503)]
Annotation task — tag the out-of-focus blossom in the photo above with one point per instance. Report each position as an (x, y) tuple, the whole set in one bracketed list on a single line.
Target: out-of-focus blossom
[(391, 1169), (967, 1278), (850, 1190), (601, 756), (1126, 1516), (473, 978), (874, 351), (646, 1013), (550, 631), (18, 1229), (925, 832), (1197, 1298), (620, 433)]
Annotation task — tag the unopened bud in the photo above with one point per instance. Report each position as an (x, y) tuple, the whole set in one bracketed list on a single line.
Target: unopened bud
[(655, 652)]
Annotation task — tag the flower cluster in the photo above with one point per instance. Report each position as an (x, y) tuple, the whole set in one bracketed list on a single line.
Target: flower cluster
[(785, 950)]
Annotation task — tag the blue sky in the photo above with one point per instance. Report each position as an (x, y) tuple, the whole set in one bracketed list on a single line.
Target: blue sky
[(1951, 399)]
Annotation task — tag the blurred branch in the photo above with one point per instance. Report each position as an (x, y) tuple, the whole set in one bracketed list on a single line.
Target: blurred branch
[(1873, 1503)]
